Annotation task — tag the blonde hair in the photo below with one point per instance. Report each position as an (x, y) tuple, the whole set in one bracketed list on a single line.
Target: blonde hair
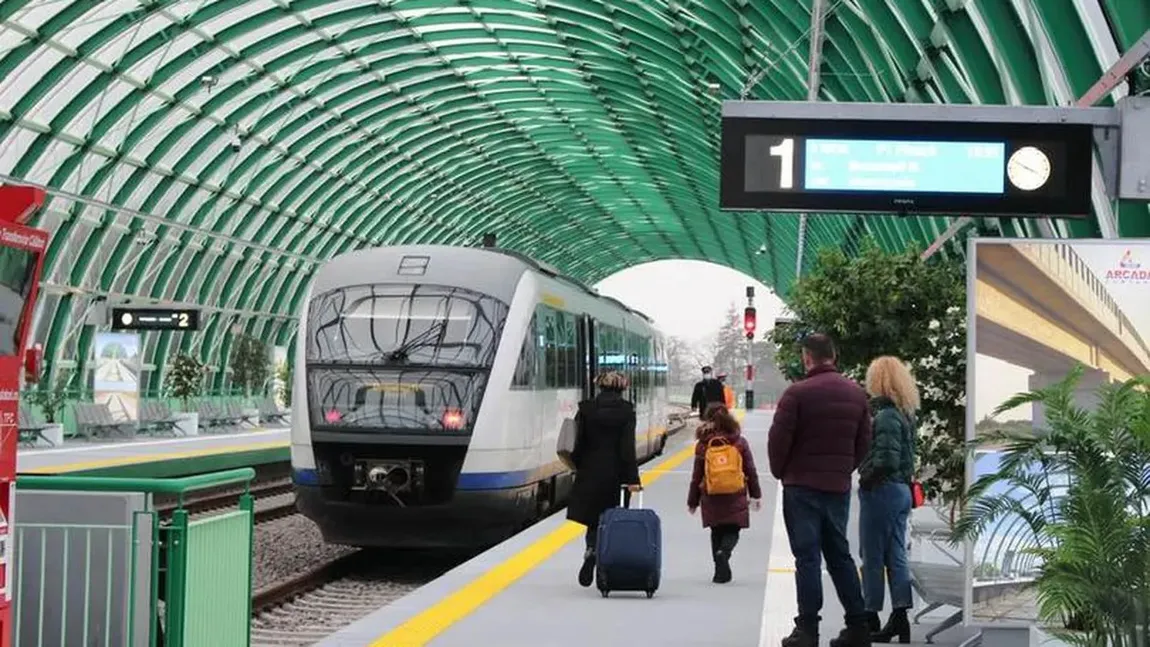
[(888, 376), (613, 380)]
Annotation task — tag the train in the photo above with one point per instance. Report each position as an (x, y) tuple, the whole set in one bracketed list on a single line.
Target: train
[(432, 383)]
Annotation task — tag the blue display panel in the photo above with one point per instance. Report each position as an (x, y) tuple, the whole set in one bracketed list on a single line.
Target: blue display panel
[(912, 166)]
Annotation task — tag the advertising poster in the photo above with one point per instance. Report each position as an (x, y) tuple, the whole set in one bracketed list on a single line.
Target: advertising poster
[(117, 373), (1037, 309)]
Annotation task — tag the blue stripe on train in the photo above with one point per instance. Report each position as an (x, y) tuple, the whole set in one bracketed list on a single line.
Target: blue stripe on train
[(467, 480)]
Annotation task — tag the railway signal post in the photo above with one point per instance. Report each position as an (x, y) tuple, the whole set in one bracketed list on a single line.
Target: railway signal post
[(749, 321)]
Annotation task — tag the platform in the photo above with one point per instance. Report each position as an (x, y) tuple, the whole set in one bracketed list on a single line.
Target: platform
[(160, 458), (524, 593)]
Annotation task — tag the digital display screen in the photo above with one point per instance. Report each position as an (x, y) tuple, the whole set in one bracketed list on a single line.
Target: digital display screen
[(906, 167), (875, 165), (155, 319)]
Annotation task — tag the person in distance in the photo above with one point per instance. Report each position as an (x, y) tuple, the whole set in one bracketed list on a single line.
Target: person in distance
[(820, 433), (884, 496), (723, 479), (707, 390), (604, 458)]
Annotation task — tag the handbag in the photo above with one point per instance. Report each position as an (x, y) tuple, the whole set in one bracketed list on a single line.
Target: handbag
[(566, 445), (917, 496)]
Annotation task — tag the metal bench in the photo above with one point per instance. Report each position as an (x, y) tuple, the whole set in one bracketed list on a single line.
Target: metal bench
[(95, 419), (156, 419), (235, 412), (32, 429), (270, 411), (938, 584), (214, 420)]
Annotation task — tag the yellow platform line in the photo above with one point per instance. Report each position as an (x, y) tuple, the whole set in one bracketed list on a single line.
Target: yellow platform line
[(436, 619), (153, 458)]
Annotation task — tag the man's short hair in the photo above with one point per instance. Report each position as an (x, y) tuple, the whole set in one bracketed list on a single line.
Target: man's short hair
[(820, 347), (706, 369)]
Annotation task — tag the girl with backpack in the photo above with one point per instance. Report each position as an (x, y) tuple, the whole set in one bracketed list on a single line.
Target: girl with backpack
[(723, 477)]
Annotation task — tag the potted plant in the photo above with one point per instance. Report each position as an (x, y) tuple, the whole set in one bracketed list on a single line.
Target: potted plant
[(250, 368), (51, 401), (284, 378), (1079, 488), (184, 381)]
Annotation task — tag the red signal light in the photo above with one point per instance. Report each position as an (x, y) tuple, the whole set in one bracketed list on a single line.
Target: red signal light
[(749, 321), (453, 419)]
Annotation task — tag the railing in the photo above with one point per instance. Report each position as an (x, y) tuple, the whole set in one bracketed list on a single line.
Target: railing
[(95, 564)]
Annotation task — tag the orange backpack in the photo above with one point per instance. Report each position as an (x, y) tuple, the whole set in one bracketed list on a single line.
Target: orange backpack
[(722, 468)]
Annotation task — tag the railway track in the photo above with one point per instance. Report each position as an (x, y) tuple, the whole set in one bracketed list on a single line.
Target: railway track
[(314, 604), (274, 499)]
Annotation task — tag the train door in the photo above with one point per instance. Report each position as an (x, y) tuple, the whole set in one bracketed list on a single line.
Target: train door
[(588, 356)]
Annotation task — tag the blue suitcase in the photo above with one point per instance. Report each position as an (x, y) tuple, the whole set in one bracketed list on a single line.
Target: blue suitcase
[(629, 551)]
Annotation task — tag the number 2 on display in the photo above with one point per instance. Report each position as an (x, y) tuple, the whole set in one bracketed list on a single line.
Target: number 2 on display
[(785, 151)]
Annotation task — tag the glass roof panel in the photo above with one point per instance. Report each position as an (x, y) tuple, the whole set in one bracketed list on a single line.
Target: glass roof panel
[(582, 131)]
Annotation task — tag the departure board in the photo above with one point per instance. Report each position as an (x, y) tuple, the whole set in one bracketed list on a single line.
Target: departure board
[(180, 319), (906, 167)]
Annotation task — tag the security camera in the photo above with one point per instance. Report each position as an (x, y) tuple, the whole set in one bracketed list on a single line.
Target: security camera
[(208, 81), (236, 143), (714, 89), (762, 249)]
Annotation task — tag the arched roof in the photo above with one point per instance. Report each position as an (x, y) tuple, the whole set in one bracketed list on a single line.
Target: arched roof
[(213, 151)]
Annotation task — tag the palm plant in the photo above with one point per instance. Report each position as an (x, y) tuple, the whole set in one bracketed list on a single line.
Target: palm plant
[(1091, 535)]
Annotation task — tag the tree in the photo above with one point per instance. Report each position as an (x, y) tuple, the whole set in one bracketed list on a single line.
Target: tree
[(184, 379), (681, 367), (879, 303), (284, 375), (249, 364)]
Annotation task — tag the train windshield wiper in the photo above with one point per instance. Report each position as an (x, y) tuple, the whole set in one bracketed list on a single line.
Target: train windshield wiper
[(430, 337)]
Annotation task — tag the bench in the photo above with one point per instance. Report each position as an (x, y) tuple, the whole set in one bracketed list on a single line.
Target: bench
[(95, 419), (938, 584), (235, 411), (156, 419), (31, 429), (214, 419), (270, 411)]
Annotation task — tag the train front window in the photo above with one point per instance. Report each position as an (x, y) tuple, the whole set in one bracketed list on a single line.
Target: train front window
[(15, 270), (405, 325)]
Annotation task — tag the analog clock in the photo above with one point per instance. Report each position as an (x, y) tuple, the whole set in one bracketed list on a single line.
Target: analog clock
[(1028, 168)]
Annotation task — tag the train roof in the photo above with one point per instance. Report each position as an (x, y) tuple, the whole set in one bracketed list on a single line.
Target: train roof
[(366, 262)]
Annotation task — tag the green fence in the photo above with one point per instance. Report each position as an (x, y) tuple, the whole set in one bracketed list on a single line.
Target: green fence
[(96, 565)]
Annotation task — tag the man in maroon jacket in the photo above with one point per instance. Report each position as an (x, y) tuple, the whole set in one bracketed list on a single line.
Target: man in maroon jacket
[(820, 434)]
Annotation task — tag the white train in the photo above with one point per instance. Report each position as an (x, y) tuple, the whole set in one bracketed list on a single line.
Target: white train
[(433, 383)]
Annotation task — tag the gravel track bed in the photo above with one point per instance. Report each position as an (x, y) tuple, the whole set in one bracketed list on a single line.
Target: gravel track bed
[(312, 617), (289, 546)]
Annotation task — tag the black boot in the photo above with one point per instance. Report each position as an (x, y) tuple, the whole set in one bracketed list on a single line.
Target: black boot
[(896, 625), (587, 571), (856, 634), (802, 637), (873, 623), (722, 567)]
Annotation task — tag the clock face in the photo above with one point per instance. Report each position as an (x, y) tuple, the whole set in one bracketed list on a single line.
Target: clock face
[(1028, 168)]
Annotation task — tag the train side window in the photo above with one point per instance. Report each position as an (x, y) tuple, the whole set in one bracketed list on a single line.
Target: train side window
[(550, 350), (571, 352), (525, 368)]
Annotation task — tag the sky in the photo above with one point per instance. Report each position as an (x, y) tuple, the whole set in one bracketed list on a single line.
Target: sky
[(658, 289), (689, 299)]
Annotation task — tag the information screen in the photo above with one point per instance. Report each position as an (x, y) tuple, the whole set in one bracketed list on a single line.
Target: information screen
[(907, 167), (155, 319)]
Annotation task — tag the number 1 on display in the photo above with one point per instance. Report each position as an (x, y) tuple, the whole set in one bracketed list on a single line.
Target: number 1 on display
[(785, 151)]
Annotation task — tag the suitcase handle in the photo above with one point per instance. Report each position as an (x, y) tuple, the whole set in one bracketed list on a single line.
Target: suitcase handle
[(623, 497)]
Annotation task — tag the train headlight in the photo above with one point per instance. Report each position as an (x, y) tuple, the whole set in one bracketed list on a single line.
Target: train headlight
[(453, 419)]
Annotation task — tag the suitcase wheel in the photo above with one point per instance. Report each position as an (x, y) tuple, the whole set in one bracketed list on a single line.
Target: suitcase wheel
[(650, 594), (604, 592)]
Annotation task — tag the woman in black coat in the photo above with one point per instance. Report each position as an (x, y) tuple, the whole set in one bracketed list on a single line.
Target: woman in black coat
[(604, 458)]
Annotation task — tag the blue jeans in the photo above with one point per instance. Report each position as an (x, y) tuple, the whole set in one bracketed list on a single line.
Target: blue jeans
[(883, 514), (817, 528)]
